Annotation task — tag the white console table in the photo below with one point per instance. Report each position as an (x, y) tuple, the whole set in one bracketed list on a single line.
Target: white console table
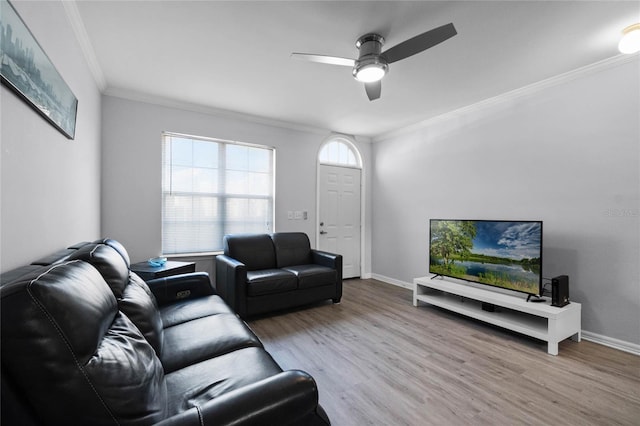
[(539, 320)]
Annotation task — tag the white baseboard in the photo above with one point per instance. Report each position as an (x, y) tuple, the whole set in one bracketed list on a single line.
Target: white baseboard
[(611, 342), (392, 281), (586, 335)]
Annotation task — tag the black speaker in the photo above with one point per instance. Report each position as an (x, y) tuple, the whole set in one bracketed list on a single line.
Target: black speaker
[(560, 290)]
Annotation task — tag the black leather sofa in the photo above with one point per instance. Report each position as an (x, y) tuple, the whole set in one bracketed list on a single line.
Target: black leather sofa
[(87, 342), (260, 273)]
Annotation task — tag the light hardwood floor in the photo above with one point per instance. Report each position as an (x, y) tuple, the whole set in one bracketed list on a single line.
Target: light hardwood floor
[(378, 360)]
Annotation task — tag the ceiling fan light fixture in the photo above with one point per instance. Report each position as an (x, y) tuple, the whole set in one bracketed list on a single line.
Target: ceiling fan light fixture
[(369, 73), (630, 41), (370, 66)]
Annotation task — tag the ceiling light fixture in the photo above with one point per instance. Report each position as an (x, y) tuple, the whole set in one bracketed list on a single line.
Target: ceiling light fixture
[(630, 41), (370, 66), (369, 71)]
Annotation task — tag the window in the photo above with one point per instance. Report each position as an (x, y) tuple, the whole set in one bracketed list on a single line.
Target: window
[(211, 188), (339, 152)]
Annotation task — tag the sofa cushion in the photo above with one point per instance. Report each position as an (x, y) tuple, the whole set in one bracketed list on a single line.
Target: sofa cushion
[(313, 275), (87, 362), (203, 338), (117, 247), (194, 385), (190, 309), (255, 251), (292, 248), (140, 306), (113, 268), (132, 293), (269, 281)]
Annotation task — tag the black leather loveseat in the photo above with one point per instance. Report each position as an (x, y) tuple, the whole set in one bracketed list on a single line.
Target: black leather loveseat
[(87, 342), (260, 273)]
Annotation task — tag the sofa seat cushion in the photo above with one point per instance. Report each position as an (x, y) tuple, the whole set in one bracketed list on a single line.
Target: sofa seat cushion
[(313, 275), (195, 385), (190, 309), (269, 281), (203, 338)]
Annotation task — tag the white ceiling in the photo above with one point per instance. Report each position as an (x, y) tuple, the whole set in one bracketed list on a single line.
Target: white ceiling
[(235, 55)]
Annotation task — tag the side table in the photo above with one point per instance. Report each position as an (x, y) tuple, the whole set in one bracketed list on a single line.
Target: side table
[(148, 272)]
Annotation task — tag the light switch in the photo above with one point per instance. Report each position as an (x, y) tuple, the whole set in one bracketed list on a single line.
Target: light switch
[(289, 215), (298, 215)]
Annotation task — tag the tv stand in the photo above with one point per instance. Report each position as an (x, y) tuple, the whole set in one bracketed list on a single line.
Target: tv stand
[(539, 320)]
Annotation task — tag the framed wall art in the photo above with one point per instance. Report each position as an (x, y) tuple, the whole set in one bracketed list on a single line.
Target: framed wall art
[(27, 70)]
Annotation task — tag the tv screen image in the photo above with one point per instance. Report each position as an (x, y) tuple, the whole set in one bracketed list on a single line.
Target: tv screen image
[(505, 254)]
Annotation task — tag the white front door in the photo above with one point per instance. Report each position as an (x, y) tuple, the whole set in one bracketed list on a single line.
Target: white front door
[(339, 216)]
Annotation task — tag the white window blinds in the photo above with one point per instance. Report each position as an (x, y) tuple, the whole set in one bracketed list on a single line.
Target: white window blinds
[(211, 188)]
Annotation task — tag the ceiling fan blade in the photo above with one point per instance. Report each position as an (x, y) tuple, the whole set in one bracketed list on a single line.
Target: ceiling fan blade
[(419, 43), (373, 89), (331, 60)]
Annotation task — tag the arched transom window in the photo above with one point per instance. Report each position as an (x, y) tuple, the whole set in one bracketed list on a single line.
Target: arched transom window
[(340, 152)]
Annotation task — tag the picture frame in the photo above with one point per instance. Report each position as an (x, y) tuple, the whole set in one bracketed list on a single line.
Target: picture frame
[(27, 70)]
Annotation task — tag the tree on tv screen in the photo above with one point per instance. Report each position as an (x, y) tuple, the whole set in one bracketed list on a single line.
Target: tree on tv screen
[(452, 240)]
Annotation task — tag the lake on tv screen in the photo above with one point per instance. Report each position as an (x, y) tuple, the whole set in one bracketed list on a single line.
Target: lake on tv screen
[(511, 272)]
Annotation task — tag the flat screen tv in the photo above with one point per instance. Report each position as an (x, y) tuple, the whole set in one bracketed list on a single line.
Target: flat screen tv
[(505, 254)]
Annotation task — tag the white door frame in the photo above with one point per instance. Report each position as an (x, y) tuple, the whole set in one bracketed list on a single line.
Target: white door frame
[(351, 142)]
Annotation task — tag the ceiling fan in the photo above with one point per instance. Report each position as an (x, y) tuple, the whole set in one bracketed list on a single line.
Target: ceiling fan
[(372, 65)]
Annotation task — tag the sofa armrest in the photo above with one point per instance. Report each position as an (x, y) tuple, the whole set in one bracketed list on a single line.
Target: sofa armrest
[(329, 260), (231, 283), (283, 399), (170, 289)]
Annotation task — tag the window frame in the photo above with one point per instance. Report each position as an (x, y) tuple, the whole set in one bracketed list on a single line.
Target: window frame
[(342, 140), (220, 195)]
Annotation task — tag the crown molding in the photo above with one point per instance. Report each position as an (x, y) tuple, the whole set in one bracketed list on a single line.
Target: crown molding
[(191, 107), (512, 95), (73, 14)]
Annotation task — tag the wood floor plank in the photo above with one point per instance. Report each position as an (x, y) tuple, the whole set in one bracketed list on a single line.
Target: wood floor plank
[(378, 360)]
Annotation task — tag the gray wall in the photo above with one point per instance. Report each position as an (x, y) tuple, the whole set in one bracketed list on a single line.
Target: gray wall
[(567, 154), (132, 153), (50, 186)]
